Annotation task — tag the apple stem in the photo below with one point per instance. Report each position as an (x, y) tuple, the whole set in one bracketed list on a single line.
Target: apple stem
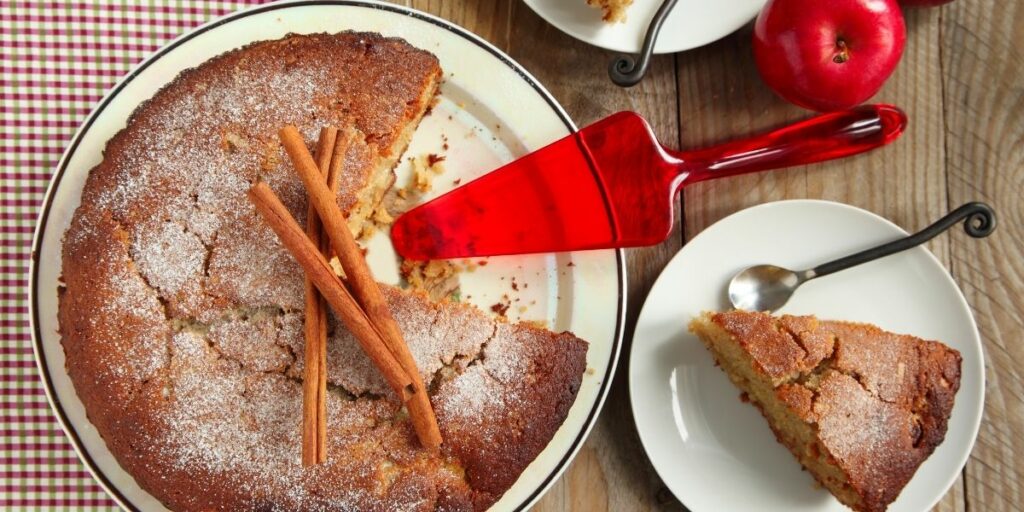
[(843, 53)]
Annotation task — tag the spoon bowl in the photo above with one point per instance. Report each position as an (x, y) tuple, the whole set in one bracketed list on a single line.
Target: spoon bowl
[(764, 287)]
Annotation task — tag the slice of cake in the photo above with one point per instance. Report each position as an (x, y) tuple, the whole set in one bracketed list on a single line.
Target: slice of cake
[(859, 407), (614, 10)]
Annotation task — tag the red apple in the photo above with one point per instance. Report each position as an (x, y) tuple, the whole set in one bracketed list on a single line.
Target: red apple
[(924, 3), (828, 54)]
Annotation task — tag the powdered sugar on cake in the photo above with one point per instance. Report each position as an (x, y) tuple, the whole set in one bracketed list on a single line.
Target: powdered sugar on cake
[(491, 385)]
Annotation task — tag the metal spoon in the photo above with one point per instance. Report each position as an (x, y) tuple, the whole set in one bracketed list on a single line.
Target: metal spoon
[(768, 287)]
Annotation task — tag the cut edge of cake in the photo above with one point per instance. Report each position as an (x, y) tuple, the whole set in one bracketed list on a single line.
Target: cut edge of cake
[(835, 422), (382, 178)]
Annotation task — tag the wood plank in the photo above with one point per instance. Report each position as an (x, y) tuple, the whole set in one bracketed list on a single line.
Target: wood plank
[(984, 99), (488, 20)]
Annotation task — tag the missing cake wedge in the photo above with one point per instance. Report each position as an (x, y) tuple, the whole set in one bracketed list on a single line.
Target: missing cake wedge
[(860, 408)]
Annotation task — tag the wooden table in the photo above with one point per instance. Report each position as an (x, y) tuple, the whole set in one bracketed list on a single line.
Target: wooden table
[(962, 83)]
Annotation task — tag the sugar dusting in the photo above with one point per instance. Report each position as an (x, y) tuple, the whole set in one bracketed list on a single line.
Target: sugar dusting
[(171, 259), (441, 336), (228, 421), (253, 342), (140, 316), (488, 388), (182, 179), (872, 438)]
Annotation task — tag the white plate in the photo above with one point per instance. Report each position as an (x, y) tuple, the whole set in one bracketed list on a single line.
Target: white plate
[(691, 23), (717, 453), (497, 110)]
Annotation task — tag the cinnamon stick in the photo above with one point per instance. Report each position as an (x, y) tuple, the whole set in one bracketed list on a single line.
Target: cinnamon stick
[(322, 275), (341, 145), (314, 384), (361, 280)]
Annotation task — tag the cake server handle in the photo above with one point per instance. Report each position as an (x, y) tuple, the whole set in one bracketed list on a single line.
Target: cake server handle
[(823, 137)]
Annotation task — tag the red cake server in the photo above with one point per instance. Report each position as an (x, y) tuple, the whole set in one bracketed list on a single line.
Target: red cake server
[(612, 184)]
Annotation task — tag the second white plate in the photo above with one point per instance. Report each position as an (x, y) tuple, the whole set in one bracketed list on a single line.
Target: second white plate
[(691, 23), (715, 452)]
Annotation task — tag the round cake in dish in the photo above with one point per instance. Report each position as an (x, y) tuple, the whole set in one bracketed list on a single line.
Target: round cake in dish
[(181, 314)]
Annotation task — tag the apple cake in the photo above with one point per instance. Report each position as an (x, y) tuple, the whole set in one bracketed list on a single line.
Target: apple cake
[(181, 314), (859, 407)]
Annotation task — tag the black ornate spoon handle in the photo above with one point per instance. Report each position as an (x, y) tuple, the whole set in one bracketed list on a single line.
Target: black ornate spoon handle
[(980, 222), (627, 71)]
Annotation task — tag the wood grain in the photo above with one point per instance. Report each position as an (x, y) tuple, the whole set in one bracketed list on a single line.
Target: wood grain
[(961, 81), (983, 84)]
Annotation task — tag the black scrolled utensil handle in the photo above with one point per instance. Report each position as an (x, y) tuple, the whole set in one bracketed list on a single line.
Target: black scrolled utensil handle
[(980, 222), (626, 71)]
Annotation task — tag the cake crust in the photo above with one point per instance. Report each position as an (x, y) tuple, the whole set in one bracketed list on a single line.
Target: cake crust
[(874, 404), (181, 315)]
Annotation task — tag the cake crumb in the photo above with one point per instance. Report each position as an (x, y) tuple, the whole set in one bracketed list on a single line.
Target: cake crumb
[(381, 215), (232, 142), (336, 266), (614, 11), (539, 324), (271, 156), (501, 307), (439, 278), (468, 266), (424, 169), (379, 220)]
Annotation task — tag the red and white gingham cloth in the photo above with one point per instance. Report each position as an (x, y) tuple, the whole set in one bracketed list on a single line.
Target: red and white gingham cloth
[(58, 60)]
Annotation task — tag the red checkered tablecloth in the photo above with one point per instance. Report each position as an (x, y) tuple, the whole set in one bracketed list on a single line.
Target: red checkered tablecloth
[(58, 59)]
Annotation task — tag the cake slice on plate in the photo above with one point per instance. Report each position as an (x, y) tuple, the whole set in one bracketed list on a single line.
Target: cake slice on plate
[(859, 407)]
